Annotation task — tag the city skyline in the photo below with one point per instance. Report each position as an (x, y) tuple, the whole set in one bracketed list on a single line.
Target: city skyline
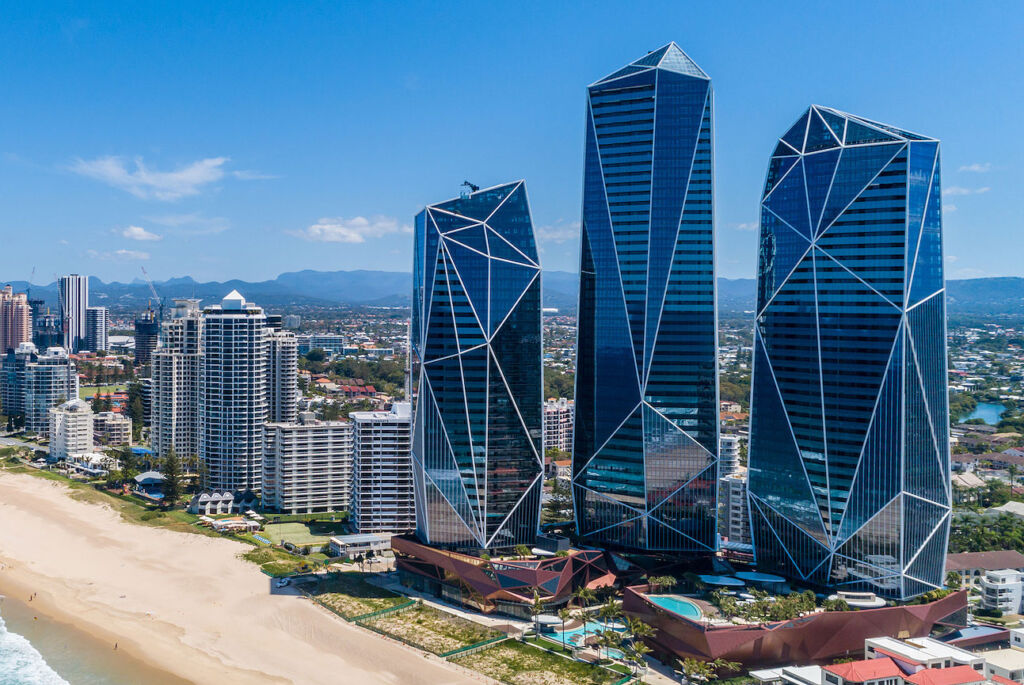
[(137, 180)]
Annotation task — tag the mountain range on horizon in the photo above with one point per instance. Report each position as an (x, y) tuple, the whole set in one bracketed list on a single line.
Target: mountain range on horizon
[(975, 296)]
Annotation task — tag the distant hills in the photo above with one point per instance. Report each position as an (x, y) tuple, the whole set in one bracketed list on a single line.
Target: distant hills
[(972, 297)]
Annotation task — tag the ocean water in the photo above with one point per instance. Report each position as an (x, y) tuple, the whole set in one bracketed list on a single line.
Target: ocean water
[(37, 650), (21, 663)]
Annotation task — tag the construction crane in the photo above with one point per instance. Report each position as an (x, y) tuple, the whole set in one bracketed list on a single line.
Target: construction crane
[(152, 289), (472, 187), (28, 287)]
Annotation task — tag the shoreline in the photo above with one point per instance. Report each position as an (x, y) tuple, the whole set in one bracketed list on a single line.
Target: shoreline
[(69, 649), (183, 606)]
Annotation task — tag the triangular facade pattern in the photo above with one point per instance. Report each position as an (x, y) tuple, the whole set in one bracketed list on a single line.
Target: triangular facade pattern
[(849, 455), (645, 459), (476, 343)]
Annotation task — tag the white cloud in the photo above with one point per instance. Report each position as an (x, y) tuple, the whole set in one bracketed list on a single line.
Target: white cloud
[(354, 230), (146, 183), (747, 226), (139, 233), (194, 223), (118, 255), (948, 207), (950, 258), (558, 232), (953, 191), (978, 168)]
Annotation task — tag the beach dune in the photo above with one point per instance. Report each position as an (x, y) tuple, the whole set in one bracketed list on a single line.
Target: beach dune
[(186, 604)]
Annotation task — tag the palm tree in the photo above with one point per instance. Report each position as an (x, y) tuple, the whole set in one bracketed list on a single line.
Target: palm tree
[(536, 609), (582, 616), (565, 614), (610, 610), (635, 654), (638, 630), (584, 596), (522, 551), (695, 670)]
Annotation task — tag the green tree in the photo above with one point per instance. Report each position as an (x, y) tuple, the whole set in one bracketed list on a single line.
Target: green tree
[(536, 609), (172, 479), (565, 614), (522, 551), (129, 464), (953, 580)]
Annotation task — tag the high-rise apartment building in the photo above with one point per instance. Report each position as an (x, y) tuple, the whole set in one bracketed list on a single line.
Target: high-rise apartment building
[(31, 383), (307, 466), (97, 324), (15, 319), (147, 335), (729, 454), (282, 376), (849, 448), (645, 464), (382, 490), (71, 430), (232, 394), (46, 326), (558, 420), (476, 340), (175, 381), (735, 510), (74, 301)]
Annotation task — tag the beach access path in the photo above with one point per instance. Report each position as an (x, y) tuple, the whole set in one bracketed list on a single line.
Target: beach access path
[(186, 604)]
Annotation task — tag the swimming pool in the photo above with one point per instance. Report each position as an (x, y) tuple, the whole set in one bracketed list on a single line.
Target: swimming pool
[(677, 605), (575, 636)]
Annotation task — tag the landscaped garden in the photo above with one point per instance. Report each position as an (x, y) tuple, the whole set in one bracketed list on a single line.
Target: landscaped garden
[(349, 595), (520, 664), (431, 629)]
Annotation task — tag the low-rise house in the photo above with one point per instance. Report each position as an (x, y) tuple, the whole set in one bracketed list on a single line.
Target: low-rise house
[(351, 545), (973, 565)]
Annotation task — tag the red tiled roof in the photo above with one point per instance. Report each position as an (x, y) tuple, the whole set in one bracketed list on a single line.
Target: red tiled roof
[(958, 675), (868, 669), (990, 561), (1003, 681)]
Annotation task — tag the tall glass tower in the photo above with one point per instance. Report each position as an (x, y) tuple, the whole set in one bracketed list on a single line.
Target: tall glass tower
[(849, 458), (476, 347), (645, 458)]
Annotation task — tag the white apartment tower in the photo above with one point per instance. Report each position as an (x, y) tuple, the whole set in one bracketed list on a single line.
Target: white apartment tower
[(558, 420), (307, 466), (382, 487), (735, 516), (232, 394), (728, 454), (97, 323), (282, 376), (175, 389), (46, 380), (74, 301), (70, 430)]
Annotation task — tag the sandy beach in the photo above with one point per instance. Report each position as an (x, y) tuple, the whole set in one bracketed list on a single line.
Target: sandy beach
[(184, 605)]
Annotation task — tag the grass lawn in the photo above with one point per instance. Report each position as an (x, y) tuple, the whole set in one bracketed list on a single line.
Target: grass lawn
[(433, 630), (519, 664), (277, 562), (297, 533), (89, 391), (350, 595), (131, 509)]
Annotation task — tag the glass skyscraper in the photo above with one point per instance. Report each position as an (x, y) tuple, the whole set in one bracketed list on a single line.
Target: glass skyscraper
[(645, 457), (849, 458), (476, 348)]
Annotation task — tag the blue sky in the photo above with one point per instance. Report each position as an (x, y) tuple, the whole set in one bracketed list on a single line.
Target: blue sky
[(242, 140)]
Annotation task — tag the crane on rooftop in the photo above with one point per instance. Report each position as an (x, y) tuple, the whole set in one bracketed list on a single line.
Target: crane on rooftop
[(152, 289), (472, 186)]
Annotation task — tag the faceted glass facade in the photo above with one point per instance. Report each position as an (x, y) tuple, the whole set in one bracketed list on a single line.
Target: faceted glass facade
[(476, 341), (645, 457), (849, 459)]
